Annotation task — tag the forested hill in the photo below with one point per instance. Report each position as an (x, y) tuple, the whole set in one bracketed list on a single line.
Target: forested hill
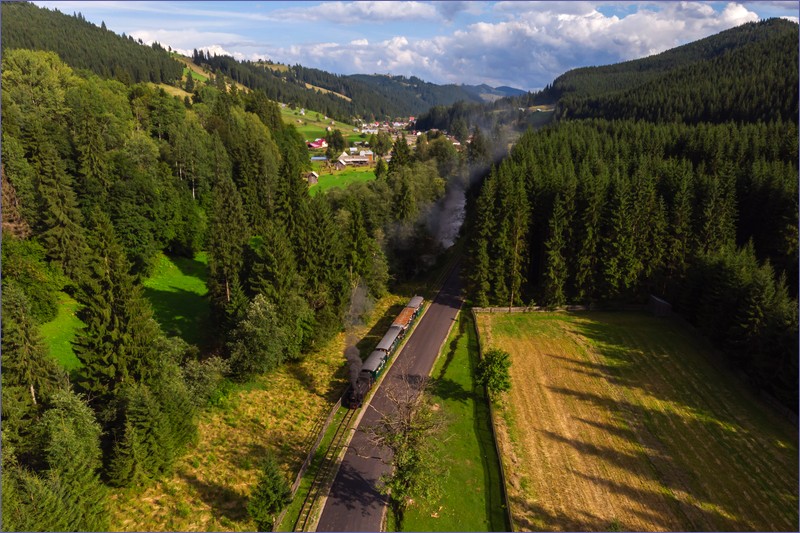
[(673, 176), (369, 96), (745, 73), (81, 44)]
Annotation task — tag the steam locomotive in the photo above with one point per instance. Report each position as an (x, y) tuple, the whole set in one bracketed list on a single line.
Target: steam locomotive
[(376, 362)]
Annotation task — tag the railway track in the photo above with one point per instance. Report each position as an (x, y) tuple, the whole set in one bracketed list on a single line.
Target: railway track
[(324, 473)]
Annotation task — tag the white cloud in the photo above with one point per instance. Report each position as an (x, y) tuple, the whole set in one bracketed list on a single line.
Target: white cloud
[(538, 42), (360, 12)]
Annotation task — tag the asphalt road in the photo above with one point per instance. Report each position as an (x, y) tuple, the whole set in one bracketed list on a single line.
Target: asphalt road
[(354, 503)]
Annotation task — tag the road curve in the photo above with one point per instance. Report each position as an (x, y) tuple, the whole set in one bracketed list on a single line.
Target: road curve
[(354, 503)]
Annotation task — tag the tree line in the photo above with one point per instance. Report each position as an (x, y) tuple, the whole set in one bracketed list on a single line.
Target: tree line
[(705, 216), (98, 178)]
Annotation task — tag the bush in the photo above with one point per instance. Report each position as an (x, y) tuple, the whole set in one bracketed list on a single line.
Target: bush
[(493, 371)]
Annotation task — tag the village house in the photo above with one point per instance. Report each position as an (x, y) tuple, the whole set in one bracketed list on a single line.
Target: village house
[(364, 158), (317, 144)]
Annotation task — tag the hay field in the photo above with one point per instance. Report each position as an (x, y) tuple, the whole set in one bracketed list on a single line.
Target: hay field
[(622, 421)]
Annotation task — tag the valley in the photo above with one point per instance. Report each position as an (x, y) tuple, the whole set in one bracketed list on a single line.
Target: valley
[(200, 252)]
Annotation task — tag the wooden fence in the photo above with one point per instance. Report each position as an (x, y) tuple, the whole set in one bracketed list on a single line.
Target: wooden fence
[(309, 458)]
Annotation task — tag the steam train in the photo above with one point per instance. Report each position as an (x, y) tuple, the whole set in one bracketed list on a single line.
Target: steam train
[(376, 362)]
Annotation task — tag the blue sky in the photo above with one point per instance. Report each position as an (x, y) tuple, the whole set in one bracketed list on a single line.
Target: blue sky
[(521, 44)]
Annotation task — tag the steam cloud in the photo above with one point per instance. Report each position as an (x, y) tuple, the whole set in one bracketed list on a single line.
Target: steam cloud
[(360, 303), (353, 357)]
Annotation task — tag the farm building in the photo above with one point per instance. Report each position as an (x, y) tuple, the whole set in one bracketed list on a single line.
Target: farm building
[(312, 177), (317, 143), (339, 165)]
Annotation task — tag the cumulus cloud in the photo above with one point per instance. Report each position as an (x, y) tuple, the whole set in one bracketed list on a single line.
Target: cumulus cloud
[(360, 12), (537, 42)]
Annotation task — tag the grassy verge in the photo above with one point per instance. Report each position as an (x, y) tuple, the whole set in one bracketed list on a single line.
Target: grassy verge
[(623, 421), (293, 511), (59, 333), (177, 291), (471, 490)]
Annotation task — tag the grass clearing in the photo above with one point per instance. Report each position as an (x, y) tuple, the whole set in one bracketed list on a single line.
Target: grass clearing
[(625, 421), (341, 179), (471, 498), (313, 125), (276, 413), (59, 333), (177, 292)]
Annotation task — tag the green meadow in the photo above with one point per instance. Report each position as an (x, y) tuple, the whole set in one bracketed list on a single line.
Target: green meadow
[(176, 291), (341, 179), (59, 333)]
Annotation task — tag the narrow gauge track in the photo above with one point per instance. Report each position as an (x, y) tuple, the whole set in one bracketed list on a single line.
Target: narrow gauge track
[(324, 471)]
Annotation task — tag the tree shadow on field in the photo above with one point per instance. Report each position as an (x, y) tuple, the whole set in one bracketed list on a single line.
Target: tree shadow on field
[(247, 457), (303, 376), (223, 500), (453, 347), (190, 267), (447, 389), (181, 313), (534, 517)]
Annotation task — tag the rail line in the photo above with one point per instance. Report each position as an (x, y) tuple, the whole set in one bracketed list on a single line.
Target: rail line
[(324, 471)]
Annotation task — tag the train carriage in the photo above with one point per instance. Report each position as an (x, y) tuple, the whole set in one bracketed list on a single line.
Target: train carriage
[(376, 362), (416, 304), (389, 341)]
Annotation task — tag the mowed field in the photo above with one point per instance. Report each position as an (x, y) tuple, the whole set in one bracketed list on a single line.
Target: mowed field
[(624, 421)]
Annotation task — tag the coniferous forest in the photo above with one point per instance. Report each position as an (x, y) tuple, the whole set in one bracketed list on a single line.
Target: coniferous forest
[(98, 178), (686, 189)]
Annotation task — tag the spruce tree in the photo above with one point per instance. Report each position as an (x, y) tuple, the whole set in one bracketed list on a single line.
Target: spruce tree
[(556, 264), (72, 450), (25, 360), (227, 233), (117, 343), (270, 495), (61, 231)]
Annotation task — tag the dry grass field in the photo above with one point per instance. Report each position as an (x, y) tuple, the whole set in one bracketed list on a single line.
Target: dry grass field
[(277, 413), (623, 421)]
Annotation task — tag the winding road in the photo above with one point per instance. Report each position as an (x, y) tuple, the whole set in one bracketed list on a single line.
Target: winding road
[(354, 503)]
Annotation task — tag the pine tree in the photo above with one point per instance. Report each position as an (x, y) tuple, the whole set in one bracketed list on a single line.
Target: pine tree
[(143, 448), (61, 231), (26, 363), (72, 449), (479, 274), (227, 233), (271, 494), (117, 343), (556, 264)]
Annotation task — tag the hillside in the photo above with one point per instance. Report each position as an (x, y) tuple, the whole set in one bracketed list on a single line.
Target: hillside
[(710, 80), (81, 44)]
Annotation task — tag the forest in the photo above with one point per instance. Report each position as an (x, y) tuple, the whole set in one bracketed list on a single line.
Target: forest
[(82, 45), (98, 178), (605, 212)]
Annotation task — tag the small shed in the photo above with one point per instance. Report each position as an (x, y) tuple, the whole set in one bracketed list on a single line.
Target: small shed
[(340, 165), (312, 177)]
